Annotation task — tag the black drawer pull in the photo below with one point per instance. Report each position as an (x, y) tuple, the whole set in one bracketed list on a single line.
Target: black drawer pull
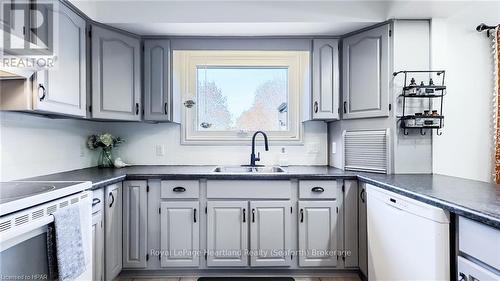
[(95, 201), (194, 215), (179, 189), (393, 200), (362, 195), (253, 215), (165, 108), (318, 189), (244, 215), (301, 215)]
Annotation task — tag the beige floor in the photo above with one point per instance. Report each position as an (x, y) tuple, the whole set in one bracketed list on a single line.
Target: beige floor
[(296, 279)]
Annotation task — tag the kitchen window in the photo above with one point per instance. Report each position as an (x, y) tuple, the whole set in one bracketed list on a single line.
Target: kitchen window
[(228, 95)]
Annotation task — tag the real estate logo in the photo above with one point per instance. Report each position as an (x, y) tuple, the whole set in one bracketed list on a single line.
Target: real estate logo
[(28, 31)]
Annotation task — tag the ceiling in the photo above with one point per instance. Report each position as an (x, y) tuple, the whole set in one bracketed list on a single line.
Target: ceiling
[(258, 18)]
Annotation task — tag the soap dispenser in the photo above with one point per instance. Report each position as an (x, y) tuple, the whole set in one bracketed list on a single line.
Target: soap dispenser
[(283, 158)]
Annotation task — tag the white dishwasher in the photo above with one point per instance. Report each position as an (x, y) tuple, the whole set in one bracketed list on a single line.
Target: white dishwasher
[(407, 239)]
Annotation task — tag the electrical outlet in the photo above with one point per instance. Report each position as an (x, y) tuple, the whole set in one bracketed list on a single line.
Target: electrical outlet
[(334, 147), (82, 150), (160, 150)]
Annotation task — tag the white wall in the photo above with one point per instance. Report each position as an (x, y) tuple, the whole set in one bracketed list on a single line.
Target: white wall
[(142, 138), (466, 147), (33, 145)]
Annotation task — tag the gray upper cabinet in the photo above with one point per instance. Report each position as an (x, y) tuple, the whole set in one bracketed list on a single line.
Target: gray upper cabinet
[(180, 233), (366, 74), (270, 233), (227, 233), (62, 89), (325, 79), (113, 231), (116, 75), (134, 224), (157, 102), (318, 233)]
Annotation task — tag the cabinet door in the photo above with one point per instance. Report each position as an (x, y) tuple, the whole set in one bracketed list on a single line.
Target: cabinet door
[(227, 233), (351, 222), (318, 233), (270, 233), (362, 223), (97, 247), (366, 74), (325, 79), (62, 88), (180, 234), (113, 231), (116, 77), (135, 227), (157, 80)]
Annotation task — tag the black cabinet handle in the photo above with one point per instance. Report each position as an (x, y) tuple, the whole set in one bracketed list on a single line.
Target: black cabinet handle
[(112, 199), (315, 107), (463, 277), (253, 215), (362, 195), (301, 215), (137, 109), (317, 189), (95, 201), (179, 189), (244, 215), (42, 95), (194, 215), (345, 107), (165, 108)]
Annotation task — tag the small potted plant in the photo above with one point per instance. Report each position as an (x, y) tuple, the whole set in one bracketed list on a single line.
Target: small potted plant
[(105, 141)]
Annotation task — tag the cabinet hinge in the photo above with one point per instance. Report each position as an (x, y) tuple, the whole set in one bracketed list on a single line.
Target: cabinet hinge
[(90, 32), (337, 210), (343, 187), (343, 258), (206, 210), (159, 257), (143, 48), (147, 188), (159, 210), (90, 108), (390, 107), (206, 255), (147, 257), (291, 210), (390, 32), (101, 224), (291, 256), (337, 257)]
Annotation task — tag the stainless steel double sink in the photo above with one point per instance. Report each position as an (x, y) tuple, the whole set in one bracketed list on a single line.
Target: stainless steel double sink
[(249, 170)]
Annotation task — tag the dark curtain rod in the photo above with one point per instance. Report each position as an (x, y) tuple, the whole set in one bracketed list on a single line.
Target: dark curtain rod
[(482, 27)]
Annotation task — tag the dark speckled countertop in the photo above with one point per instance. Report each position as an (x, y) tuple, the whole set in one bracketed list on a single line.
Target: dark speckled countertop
[(473, 199)]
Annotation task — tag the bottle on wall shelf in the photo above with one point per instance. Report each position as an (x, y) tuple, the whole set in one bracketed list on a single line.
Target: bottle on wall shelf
[(283, 158)]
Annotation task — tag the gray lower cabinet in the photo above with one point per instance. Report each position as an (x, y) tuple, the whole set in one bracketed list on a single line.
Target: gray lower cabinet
[(135, 227), (62, 89), (97, 246), (227, 233), (113, 230), (180, 233), (351, 228), (270, 233), (318, 233), (116, 75), (366, 74), (325, 79), (362, 230), (157, 105)]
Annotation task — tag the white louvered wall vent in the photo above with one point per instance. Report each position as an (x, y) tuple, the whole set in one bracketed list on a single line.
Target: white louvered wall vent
[(366, 151)]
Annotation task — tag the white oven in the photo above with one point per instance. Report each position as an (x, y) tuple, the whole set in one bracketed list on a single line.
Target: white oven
[(23, 240)]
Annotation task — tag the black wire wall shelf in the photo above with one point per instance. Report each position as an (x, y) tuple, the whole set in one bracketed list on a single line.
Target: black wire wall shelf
[(431, 118)]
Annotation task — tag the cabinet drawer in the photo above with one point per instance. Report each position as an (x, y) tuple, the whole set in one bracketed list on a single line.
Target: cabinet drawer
[(479, 241), (97, 200), (468, 270), (180, 189), (311, 189), (265, 189)]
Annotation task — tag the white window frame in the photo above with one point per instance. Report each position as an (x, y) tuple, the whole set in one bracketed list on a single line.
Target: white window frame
[(186, 63)]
